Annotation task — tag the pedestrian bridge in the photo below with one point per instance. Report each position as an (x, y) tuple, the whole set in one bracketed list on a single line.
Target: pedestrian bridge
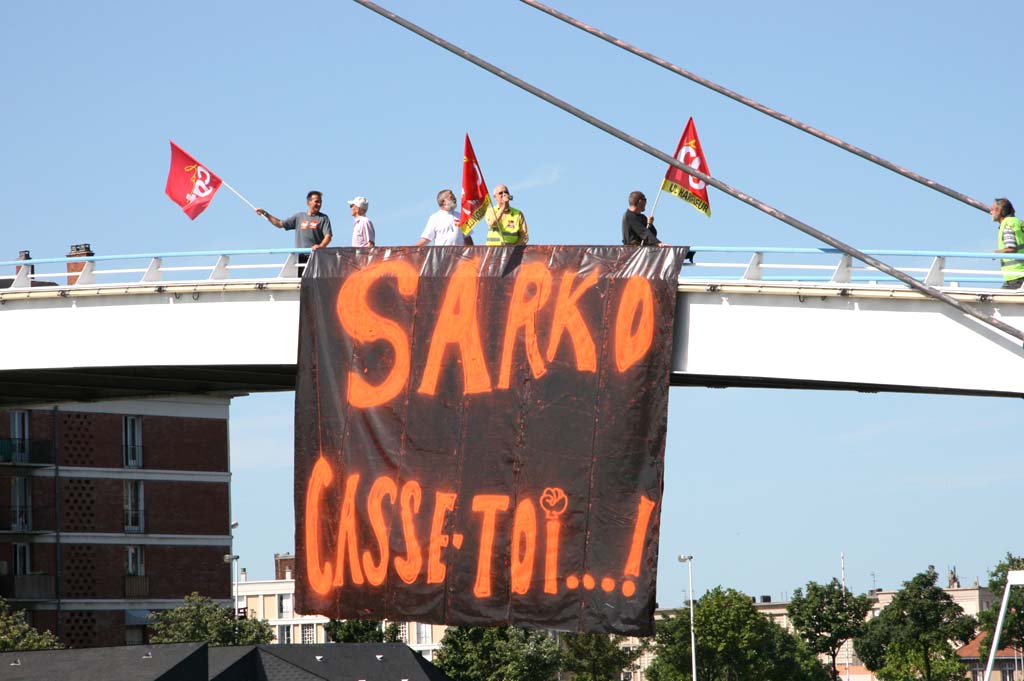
[(108, 327)]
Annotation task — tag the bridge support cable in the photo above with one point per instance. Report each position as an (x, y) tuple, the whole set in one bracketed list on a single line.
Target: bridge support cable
[(757, 106), (718, 184)]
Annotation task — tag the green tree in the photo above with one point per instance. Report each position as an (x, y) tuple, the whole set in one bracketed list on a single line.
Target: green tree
[(598, 657), (734, 641), (354, 631), (913, 636), (498, 654), (200, 618), (1013, 623), (828, 615), (392, 633), (17, 634)]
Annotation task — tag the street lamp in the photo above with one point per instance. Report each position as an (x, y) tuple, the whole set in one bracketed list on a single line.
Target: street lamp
[(693, 639), (233, 558)]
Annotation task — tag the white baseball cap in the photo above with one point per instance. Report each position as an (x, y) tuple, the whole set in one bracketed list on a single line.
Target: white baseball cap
[(360, 202)]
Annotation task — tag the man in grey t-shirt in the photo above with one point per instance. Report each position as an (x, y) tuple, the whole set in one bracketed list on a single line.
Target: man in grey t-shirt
[(312, 228)]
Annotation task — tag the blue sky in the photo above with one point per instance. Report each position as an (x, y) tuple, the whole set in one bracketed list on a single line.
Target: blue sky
[(766, 488)]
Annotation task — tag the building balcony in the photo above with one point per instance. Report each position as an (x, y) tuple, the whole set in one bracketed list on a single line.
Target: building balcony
[(133, 520), (132, 456), (136, 586), (34, 587), (23, 452), (22, 518)]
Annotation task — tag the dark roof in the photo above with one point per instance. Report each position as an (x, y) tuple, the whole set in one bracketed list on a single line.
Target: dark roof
[(348, 662), (164, 662), (233, 663)]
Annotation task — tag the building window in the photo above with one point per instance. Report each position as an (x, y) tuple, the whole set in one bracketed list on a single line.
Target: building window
[(133, 506), (132, 441), (424, 633), (308, 633), (21, 504), (403, 632), (135, 561), (19, 436), (22, 564), (284, 606), (1008, 674), (284, 633)]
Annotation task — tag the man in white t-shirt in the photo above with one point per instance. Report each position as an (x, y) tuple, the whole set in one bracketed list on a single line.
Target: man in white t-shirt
[(441, 227), (363, 233)]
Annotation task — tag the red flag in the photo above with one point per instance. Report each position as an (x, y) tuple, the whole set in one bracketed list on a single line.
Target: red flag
[(475, 197), (687, 187), (189, 183)]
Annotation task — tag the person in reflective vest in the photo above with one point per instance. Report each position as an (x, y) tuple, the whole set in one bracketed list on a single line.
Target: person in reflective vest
[(1009, 240), (506, 226)]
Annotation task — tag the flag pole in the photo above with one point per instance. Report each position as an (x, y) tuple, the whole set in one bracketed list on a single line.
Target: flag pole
[(718, 184), (235, 192), (657, 197)]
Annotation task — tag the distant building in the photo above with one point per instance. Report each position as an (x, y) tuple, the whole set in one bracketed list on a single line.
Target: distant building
[(972, 599), (109, 511), (273, 600)]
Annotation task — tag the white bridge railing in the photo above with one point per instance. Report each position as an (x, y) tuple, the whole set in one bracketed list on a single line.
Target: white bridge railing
[(804, 266), (828, 266)]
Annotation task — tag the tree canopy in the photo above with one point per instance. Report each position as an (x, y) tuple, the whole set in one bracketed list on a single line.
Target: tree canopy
[(598, 657), (1013, 623), (17, 634), (201, 618), (826, 616), (354, 631), (734, 641), (498, 654), (913, 636)]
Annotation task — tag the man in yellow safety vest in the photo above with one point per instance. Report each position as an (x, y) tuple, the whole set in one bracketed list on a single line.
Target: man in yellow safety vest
[(506, 226), (1010, 239)]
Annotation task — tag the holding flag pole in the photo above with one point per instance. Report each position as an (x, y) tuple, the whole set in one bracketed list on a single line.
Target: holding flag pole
[(235, 192), (192, 185), (691, 189), (475, 197)]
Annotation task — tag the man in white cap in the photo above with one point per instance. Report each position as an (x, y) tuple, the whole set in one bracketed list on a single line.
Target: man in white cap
[(363, 233)]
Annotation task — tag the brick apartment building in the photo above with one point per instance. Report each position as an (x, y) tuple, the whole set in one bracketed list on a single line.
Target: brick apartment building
[(111, 510)]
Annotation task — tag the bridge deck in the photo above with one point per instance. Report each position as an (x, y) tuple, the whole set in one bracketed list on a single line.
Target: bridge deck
[(227, 323)]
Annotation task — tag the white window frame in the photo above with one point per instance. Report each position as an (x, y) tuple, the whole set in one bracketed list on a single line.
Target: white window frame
[(21, 503), (131, 441), (424, 633), (134, 506), (20, 432), (282, 600), (284, 633), (308, 633), (22, 558), (135, 560)]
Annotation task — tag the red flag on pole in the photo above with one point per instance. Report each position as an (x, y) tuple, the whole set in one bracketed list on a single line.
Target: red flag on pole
[(687, 187), (475, 197), (190, 184)]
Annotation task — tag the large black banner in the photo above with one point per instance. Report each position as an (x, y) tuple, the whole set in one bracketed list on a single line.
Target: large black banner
[(480, 434)]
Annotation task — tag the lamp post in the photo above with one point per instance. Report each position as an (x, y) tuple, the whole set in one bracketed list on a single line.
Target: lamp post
[(233, 558), (693, 638)]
